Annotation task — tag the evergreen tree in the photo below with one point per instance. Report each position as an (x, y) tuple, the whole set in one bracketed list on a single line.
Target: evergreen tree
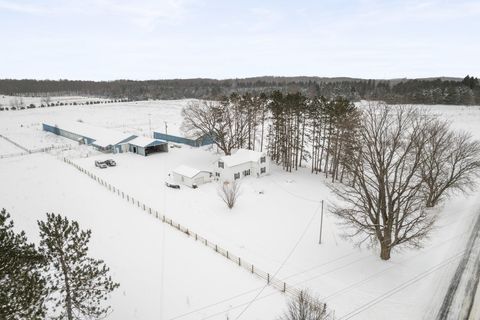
[(23, 289), (80, 284)]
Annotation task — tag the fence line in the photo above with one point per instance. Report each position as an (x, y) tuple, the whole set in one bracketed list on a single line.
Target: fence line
[(278, 284), (14, 143), (30, 151)]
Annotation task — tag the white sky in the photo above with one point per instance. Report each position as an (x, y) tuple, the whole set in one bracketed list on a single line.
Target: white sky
[(160, 39)]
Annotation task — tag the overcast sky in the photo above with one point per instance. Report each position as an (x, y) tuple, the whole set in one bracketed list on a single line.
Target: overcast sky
[(160, 39)]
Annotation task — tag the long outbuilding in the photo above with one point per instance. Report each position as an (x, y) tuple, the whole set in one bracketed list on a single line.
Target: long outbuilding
[(106, 140), (194, 141)]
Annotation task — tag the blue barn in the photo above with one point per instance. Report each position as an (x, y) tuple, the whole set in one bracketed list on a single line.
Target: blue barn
[(194, 142), (105, 140)]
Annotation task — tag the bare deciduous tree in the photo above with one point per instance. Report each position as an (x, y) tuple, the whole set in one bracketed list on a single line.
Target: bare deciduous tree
[(17, 103), (225, 123), (45, 100), (386, 202), (229, 192), (451, 162), (305, 307)]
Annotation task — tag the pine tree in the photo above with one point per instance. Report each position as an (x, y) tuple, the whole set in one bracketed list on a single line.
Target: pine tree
[(23, 289), (80, 283)]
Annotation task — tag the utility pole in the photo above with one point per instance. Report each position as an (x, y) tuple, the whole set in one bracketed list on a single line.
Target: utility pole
[(150, 124), (166, 131), (321, 226)]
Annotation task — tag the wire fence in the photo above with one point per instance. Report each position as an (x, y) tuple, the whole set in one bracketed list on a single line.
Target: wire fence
[(15, 144), (276, 283), (31, 151)]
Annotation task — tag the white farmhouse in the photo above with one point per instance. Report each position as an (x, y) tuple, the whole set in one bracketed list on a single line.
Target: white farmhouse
[(241, 164), (190, 176)]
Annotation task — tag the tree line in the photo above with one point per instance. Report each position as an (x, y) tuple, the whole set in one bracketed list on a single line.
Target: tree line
[(293, 129), (56, 279), (394, 163), (405, 91)]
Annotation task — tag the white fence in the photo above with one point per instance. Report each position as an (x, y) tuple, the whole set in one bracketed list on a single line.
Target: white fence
[(270, 280), (27, 151)]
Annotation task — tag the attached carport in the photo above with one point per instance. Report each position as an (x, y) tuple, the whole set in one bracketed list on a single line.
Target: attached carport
[(145, 146)]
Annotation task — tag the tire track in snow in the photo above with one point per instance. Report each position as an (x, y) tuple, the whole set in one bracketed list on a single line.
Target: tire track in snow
[(461, 294)]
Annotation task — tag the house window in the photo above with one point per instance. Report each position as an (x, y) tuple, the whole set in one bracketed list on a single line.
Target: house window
[(263, 159), (236, 176), (246, 172), (263, 170), (217, 174), (220, 164)]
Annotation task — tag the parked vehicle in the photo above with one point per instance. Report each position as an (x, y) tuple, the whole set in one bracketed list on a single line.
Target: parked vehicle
[(110, 163), (100, 164), (171, 185)]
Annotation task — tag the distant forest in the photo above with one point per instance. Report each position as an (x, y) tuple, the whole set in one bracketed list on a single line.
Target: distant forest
[(419, 91)]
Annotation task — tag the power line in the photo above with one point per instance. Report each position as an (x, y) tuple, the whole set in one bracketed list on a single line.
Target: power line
[(283, 263), (400, 287), (255, 289), (306, 280), (356, 284)]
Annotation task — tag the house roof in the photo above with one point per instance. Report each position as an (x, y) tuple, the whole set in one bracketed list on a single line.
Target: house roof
[(187, 171), (241, 156), (145, 142), (102, 137)]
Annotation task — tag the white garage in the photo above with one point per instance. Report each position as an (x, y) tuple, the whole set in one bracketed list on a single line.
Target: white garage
[(191, 177)]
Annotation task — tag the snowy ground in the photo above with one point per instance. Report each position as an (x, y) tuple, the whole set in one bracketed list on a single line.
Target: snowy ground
[(8, 148), (262, 228), (6, 100)]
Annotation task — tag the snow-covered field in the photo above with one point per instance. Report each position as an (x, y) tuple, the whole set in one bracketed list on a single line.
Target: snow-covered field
[(6, 100), (164, 274)]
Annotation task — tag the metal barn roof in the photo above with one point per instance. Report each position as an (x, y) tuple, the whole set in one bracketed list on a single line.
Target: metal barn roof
[(103, 137), (145, 142)]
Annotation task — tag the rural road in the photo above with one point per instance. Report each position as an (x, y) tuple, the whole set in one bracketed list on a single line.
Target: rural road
[(462, 301)]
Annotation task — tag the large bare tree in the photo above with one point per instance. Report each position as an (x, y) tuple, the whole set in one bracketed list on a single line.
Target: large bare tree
[(451, 162), (385, 202), (223, 121)]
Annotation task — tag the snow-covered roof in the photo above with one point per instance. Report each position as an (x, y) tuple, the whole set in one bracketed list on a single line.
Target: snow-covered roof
[(241, 156), (102, 137), (174, 130), (144, 141), (187, 171)]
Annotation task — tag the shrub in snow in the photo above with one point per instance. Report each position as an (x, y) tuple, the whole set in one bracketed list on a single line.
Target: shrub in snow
[(229, 192), (305, 307)]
